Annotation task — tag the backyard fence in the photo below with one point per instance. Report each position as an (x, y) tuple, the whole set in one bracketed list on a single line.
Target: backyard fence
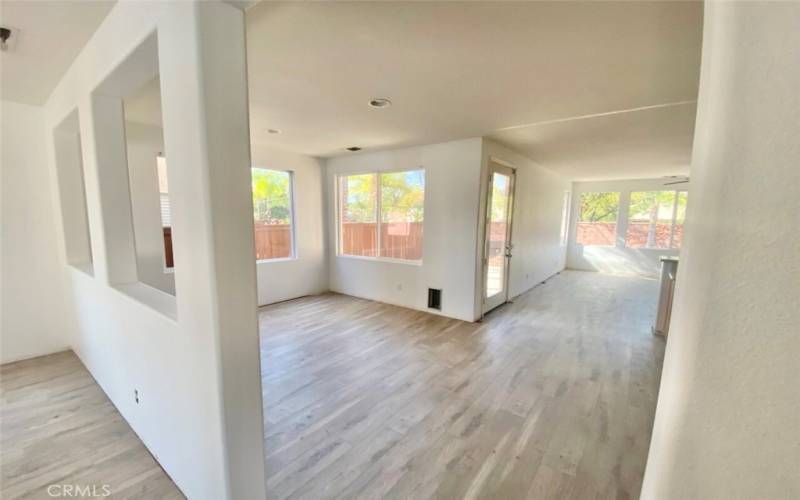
[(604, 234), (399, 240)]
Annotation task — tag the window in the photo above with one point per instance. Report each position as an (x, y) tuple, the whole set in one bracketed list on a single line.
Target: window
[(166, 211), (655, 219), (597, 222), (399, 199), (565, 217), (272, 214), (680, 218), (402, 200), (358, 234)]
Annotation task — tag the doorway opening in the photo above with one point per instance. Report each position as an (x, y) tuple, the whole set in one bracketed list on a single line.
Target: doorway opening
[(497, 246)]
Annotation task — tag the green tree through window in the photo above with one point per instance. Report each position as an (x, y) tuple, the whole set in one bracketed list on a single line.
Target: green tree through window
[(271, 196), (599, 207), (597, 223), (272, 213), (382, 215), (650, 219)]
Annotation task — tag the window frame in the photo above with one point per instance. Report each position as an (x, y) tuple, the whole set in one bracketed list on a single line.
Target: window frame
[(671, 245), (620, 199), (292, 222), (378, 219), (675, 218), (565, 217), (161, 159)]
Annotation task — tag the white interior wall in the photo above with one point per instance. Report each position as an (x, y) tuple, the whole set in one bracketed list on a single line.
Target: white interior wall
[(144, 143), (618, 259), (196, 369), (33, 316), (306, 274), (452, 185), (455, 186), (726, 423), (536, 221)]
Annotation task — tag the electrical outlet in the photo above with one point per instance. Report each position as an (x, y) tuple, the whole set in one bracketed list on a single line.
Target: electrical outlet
[(136, 395)]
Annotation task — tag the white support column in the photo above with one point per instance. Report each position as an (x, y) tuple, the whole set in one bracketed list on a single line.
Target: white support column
[(727, 419), (207, 142)]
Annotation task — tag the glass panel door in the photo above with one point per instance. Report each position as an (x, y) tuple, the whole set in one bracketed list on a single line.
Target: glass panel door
[(497, 248)]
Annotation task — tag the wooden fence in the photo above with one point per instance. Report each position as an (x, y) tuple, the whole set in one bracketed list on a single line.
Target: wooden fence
[(604, 233), (273, 241), (399, 240)]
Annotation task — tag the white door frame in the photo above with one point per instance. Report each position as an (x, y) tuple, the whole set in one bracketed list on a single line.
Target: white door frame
[(489, 303)]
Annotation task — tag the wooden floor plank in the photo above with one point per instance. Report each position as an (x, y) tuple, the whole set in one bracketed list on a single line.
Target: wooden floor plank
[(551, 396), (59, 428)]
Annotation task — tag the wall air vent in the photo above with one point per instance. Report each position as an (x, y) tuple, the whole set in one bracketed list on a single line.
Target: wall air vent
[(435, 299)]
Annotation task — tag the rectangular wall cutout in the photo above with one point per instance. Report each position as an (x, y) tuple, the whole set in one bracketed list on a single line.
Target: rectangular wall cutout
[(72, 192), (148, 177), (126, 109)]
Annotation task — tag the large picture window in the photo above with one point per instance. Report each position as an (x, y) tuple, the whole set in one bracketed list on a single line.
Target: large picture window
[(381, 214), (272, 214), (597, 222), (655, 219)]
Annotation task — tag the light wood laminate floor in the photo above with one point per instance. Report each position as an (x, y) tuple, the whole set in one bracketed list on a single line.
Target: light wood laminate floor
[(59, 430), (552, 396)]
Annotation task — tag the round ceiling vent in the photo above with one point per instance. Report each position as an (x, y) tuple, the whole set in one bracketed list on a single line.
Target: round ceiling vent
[(380, 103)]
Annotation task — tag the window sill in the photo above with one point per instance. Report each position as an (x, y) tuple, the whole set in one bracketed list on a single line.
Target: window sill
[(86, 268), (269, 261), (155, 299), (381, 259), (654, 249)]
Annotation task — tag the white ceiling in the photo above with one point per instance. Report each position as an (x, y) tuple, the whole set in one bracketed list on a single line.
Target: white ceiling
[(594, 90), (644, 143), (51, 34), (464, 69)]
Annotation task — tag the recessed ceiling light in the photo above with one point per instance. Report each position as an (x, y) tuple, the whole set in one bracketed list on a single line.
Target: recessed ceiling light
[(354, 148), (380, 103), (273, 131)]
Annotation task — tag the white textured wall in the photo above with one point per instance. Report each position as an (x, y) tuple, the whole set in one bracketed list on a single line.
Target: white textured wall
[(32, 315), (307, 273), (196, 366), (728, 417), (455, 188), (617, 259), (452, 184)]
